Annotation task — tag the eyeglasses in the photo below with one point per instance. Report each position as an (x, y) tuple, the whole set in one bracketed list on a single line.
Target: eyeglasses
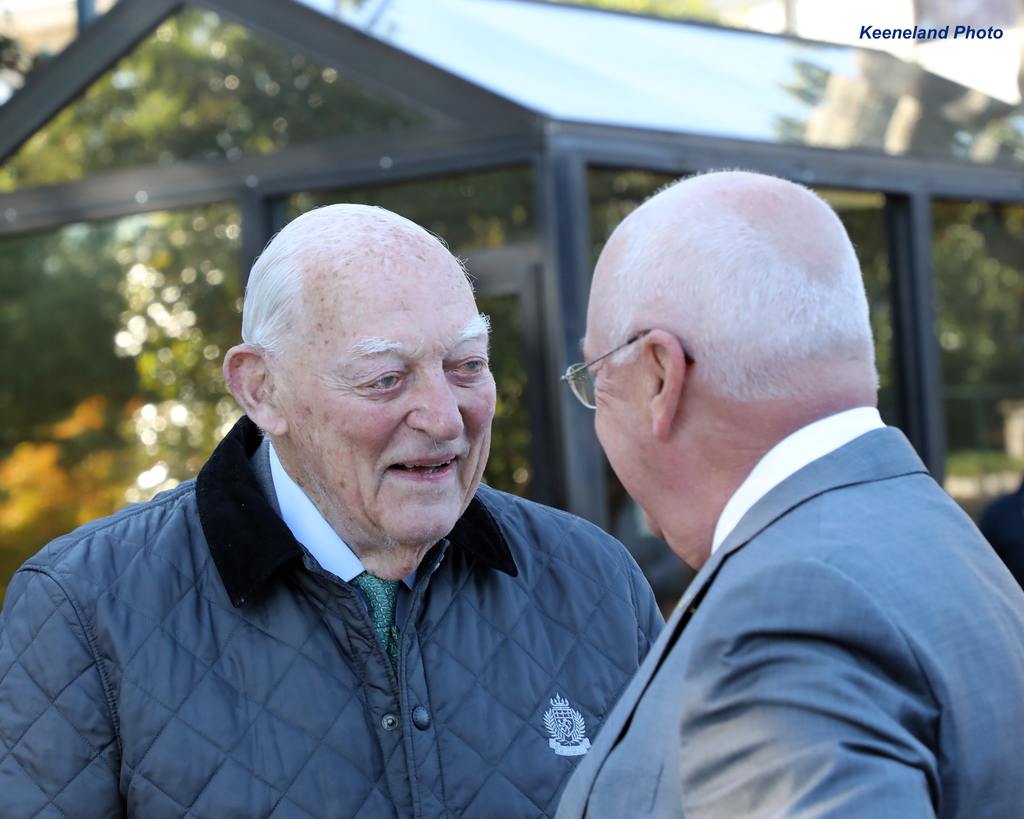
[(580, 378)]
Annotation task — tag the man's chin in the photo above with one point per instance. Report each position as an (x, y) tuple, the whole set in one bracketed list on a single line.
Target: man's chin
[(422, 525), (416, 513)]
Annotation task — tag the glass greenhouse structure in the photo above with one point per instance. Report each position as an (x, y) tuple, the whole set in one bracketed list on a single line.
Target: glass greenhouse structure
[(145, 168)]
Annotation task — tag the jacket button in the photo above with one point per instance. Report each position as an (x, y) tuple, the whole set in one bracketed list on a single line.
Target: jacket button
[(421, 717), (389, 722)]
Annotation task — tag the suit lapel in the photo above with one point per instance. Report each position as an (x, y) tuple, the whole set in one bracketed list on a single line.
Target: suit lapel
[(877, 455)]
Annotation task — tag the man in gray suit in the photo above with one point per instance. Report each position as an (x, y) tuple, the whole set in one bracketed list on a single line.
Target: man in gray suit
[(851, 646)]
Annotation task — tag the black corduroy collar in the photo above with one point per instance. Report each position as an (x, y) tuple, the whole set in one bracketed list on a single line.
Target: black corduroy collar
[(249, 541)]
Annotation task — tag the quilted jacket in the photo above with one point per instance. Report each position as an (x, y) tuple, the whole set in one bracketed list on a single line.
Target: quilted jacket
[(187, 657)]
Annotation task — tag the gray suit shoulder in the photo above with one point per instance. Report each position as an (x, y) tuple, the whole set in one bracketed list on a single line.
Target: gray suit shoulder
[(890, 585)]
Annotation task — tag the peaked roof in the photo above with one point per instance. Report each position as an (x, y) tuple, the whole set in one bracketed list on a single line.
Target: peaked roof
[(457, 103), (502, 66), (600, 67)]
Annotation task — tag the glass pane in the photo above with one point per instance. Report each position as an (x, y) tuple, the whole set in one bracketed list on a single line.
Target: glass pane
[(721, 82), (473, 211), (979, 283), (111, 339), (508, 467), (199, 87), (470, 211), (614, 193)]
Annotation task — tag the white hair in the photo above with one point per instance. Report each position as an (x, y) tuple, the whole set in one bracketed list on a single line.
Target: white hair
[(339, 235), (751, 300), (476, 327)]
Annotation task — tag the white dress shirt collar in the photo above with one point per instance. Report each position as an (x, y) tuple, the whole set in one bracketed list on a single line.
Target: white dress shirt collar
[(311, 529), (790, 455)]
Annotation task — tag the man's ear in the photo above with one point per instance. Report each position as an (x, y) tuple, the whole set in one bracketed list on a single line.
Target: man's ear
[(249, 379), (664, 374)]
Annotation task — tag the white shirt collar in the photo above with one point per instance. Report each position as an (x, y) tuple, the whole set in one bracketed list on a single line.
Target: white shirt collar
[(311, 529), (790, 455)]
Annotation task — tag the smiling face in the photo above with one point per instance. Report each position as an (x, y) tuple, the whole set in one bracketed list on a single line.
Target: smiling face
[(388, 397)]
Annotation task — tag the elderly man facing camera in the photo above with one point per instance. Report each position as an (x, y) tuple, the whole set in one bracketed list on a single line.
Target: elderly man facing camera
[(335, 619), (851, 647)]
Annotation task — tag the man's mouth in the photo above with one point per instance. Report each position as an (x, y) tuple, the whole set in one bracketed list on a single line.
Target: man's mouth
[(427, 468)]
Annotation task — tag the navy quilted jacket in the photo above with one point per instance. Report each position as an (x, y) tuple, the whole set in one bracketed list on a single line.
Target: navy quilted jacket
[(187, 657)]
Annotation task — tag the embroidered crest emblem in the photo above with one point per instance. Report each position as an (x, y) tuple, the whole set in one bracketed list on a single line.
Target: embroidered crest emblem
[(567, 729)]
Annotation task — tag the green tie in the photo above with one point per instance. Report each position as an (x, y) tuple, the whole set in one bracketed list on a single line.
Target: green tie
[(381, 596)]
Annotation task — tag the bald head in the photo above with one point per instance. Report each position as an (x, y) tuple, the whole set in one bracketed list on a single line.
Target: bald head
[(335, 246), (755, 275)]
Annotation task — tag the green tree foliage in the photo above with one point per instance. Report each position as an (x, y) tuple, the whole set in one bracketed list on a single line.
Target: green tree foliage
[(110, 389), (196, 88), (979, 282)]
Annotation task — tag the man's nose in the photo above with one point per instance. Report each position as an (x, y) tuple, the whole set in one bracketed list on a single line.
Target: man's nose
[(437, 409)]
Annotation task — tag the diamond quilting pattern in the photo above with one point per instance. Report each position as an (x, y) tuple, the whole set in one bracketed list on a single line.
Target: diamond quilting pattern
[(36, 713), (258, 711)]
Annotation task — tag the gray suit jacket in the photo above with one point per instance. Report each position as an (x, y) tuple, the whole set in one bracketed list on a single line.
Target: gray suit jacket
[(854, 649)]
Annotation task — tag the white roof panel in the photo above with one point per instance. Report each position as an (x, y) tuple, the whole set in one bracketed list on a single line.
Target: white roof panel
[(592, 66)]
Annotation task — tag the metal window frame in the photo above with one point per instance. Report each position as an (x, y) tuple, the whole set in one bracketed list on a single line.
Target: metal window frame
[(312, 166), (563, 225), (918, 357), (518, 271)]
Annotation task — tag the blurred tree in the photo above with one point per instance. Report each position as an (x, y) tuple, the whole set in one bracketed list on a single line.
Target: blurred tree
[(868, 109), (509, 466), (979, 282), (199, 87), (16, 59), (111, 336)]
